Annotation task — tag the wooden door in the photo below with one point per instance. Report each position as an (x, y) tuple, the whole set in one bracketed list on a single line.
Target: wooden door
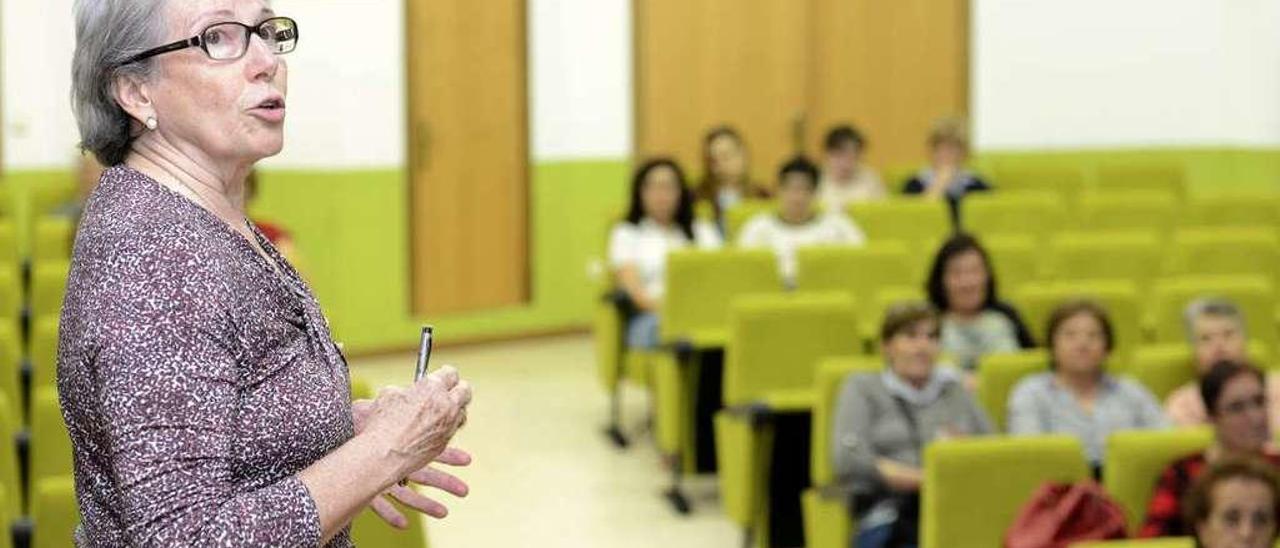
[(892, 69), (704, 63), (468, 154)]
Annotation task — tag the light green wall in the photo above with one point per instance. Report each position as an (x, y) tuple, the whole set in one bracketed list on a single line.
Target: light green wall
[(352, 228)]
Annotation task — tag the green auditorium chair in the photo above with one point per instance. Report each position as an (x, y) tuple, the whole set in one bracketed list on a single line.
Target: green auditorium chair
[(53, 239), (48, 283), (917, 221), (1234, 209), (859, 271), (10, 478), (974, 488), (1120, 298), (9, 252), (368, 530), (1035, 214), (1015, 258), (44, 352), (1135, 459), (47, 197), (737, 216), (11, 296), (1255, 295), (11, 367), (50, 449), (700, 288), (1064, 181), (1163, 368), (999, 373), (775, 343), (1166, 542), (1111, 255), (827, 522), (1127, 210), (54, 513), (1226, 251), (615, 363), (1168, 179), (875, 311)]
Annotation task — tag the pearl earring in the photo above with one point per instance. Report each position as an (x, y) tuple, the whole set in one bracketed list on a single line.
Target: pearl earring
[(152, 124)]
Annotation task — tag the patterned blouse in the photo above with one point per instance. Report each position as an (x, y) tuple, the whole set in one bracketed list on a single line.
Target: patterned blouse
[(195, 380), (1164, 512)]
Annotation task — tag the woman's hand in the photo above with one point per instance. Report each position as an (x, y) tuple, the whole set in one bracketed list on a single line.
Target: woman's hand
[(413, 425)]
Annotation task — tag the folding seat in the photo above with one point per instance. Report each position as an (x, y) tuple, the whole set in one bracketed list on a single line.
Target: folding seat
[(50, 450), (1226, 251), (1035, 214), (1145, 210), (1135, 459), (1234, 209), (1170, 179), (917, 221), (54, 513), (1131, 256), (999, 373), (53, 239), (738, 216), (1121, 300)]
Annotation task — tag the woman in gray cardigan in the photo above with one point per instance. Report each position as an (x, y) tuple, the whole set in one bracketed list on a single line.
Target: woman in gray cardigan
[(884, 420)]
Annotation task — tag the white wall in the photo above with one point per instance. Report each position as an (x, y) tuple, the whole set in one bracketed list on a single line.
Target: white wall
[(346, 92), (1097, 73)]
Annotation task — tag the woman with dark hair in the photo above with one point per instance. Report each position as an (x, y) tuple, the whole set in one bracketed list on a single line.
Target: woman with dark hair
[(1077, 396), (726, 176), (1236, 504), (1234, 394), (659, 220), (962, 286)]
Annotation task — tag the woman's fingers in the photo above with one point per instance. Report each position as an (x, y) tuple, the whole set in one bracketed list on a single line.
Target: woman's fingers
[(388, 512), (443, 481), (453, 456), (447, 376), (419, 502), (461, 393)]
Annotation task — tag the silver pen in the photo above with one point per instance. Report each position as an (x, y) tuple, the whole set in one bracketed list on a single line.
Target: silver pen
[(420, 371)]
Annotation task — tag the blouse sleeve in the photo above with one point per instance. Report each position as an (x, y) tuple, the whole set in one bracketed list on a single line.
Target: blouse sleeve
[(853, 457), (1164, 512), (166, 408), (1024, 415), (623, 246)]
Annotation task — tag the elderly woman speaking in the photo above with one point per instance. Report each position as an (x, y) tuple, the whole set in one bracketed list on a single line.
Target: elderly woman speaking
[(206, 400)]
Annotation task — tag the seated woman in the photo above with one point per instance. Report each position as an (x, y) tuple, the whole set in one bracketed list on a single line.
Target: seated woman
[(884, 421), (1077, 396), (946, 177), (1216, 332), (962, 286), (659, 220), (797, 223), (726, 175), (1236, 504), (1234, 394), (847, 179)]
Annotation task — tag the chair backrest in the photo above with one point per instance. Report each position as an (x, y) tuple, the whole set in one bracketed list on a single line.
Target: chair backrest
[(1098, 255), (10, 478), (1134, 460), (48, 284), (1127, 210), (1255, 295), (1239, 209), (50, 453), (919, 222), (827, 381), (1228, 250), (9, 249), (1163, 542), (1015, 258), (860, 271), (999, 373), (737, 216), (53, 239), (1065, 181), (1120, 298), (1035, 214), (54, 512), (701, 285), (974, 488), (11, 297), (11, 367), (1163, 368), (1166, 178), (44, 352), (872, 314), (775, 342)]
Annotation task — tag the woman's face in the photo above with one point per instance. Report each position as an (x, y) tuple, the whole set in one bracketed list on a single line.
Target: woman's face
[(795, 195), (216, 108), (965, 279), (913, 351), (1240, 415), (1242, 515), (948, 155), (728, 160), (1079, 345), (660, 194), (843, 161), (1217, 338)]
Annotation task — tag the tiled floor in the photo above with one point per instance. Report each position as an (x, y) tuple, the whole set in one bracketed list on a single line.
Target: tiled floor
[(544, 474)]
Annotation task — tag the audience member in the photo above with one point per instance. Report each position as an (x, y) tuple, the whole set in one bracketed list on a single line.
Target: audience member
[(726, 175), (1234, 505), (946, 176), (1077, 396), (797, 222), (659, 220), (848, 179), (884, 421), (1234, 392)]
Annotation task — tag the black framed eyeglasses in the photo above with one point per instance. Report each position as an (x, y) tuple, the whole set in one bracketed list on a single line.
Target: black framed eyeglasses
[(230, 40)]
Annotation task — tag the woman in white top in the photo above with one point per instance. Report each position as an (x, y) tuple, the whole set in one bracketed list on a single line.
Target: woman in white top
[(797, 223), (659, 220), (847, 178)]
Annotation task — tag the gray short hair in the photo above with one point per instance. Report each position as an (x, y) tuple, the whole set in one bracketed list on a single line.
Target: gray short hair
[(1211, 306), (108, 32)]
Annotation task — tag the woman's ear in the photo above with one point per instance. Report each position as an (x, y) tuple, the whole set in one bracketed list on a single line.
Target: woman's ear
[(134, 96)]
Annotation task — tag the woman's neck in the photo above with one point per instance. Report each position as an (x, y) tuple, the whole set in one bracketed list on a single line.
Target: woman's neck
[(220, 189), (1081, 384), (964, 316)]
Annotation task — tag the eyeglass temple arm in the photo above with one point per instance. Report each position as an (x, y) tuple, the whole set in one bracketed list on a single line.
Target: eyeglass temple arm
[(192, 42)]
